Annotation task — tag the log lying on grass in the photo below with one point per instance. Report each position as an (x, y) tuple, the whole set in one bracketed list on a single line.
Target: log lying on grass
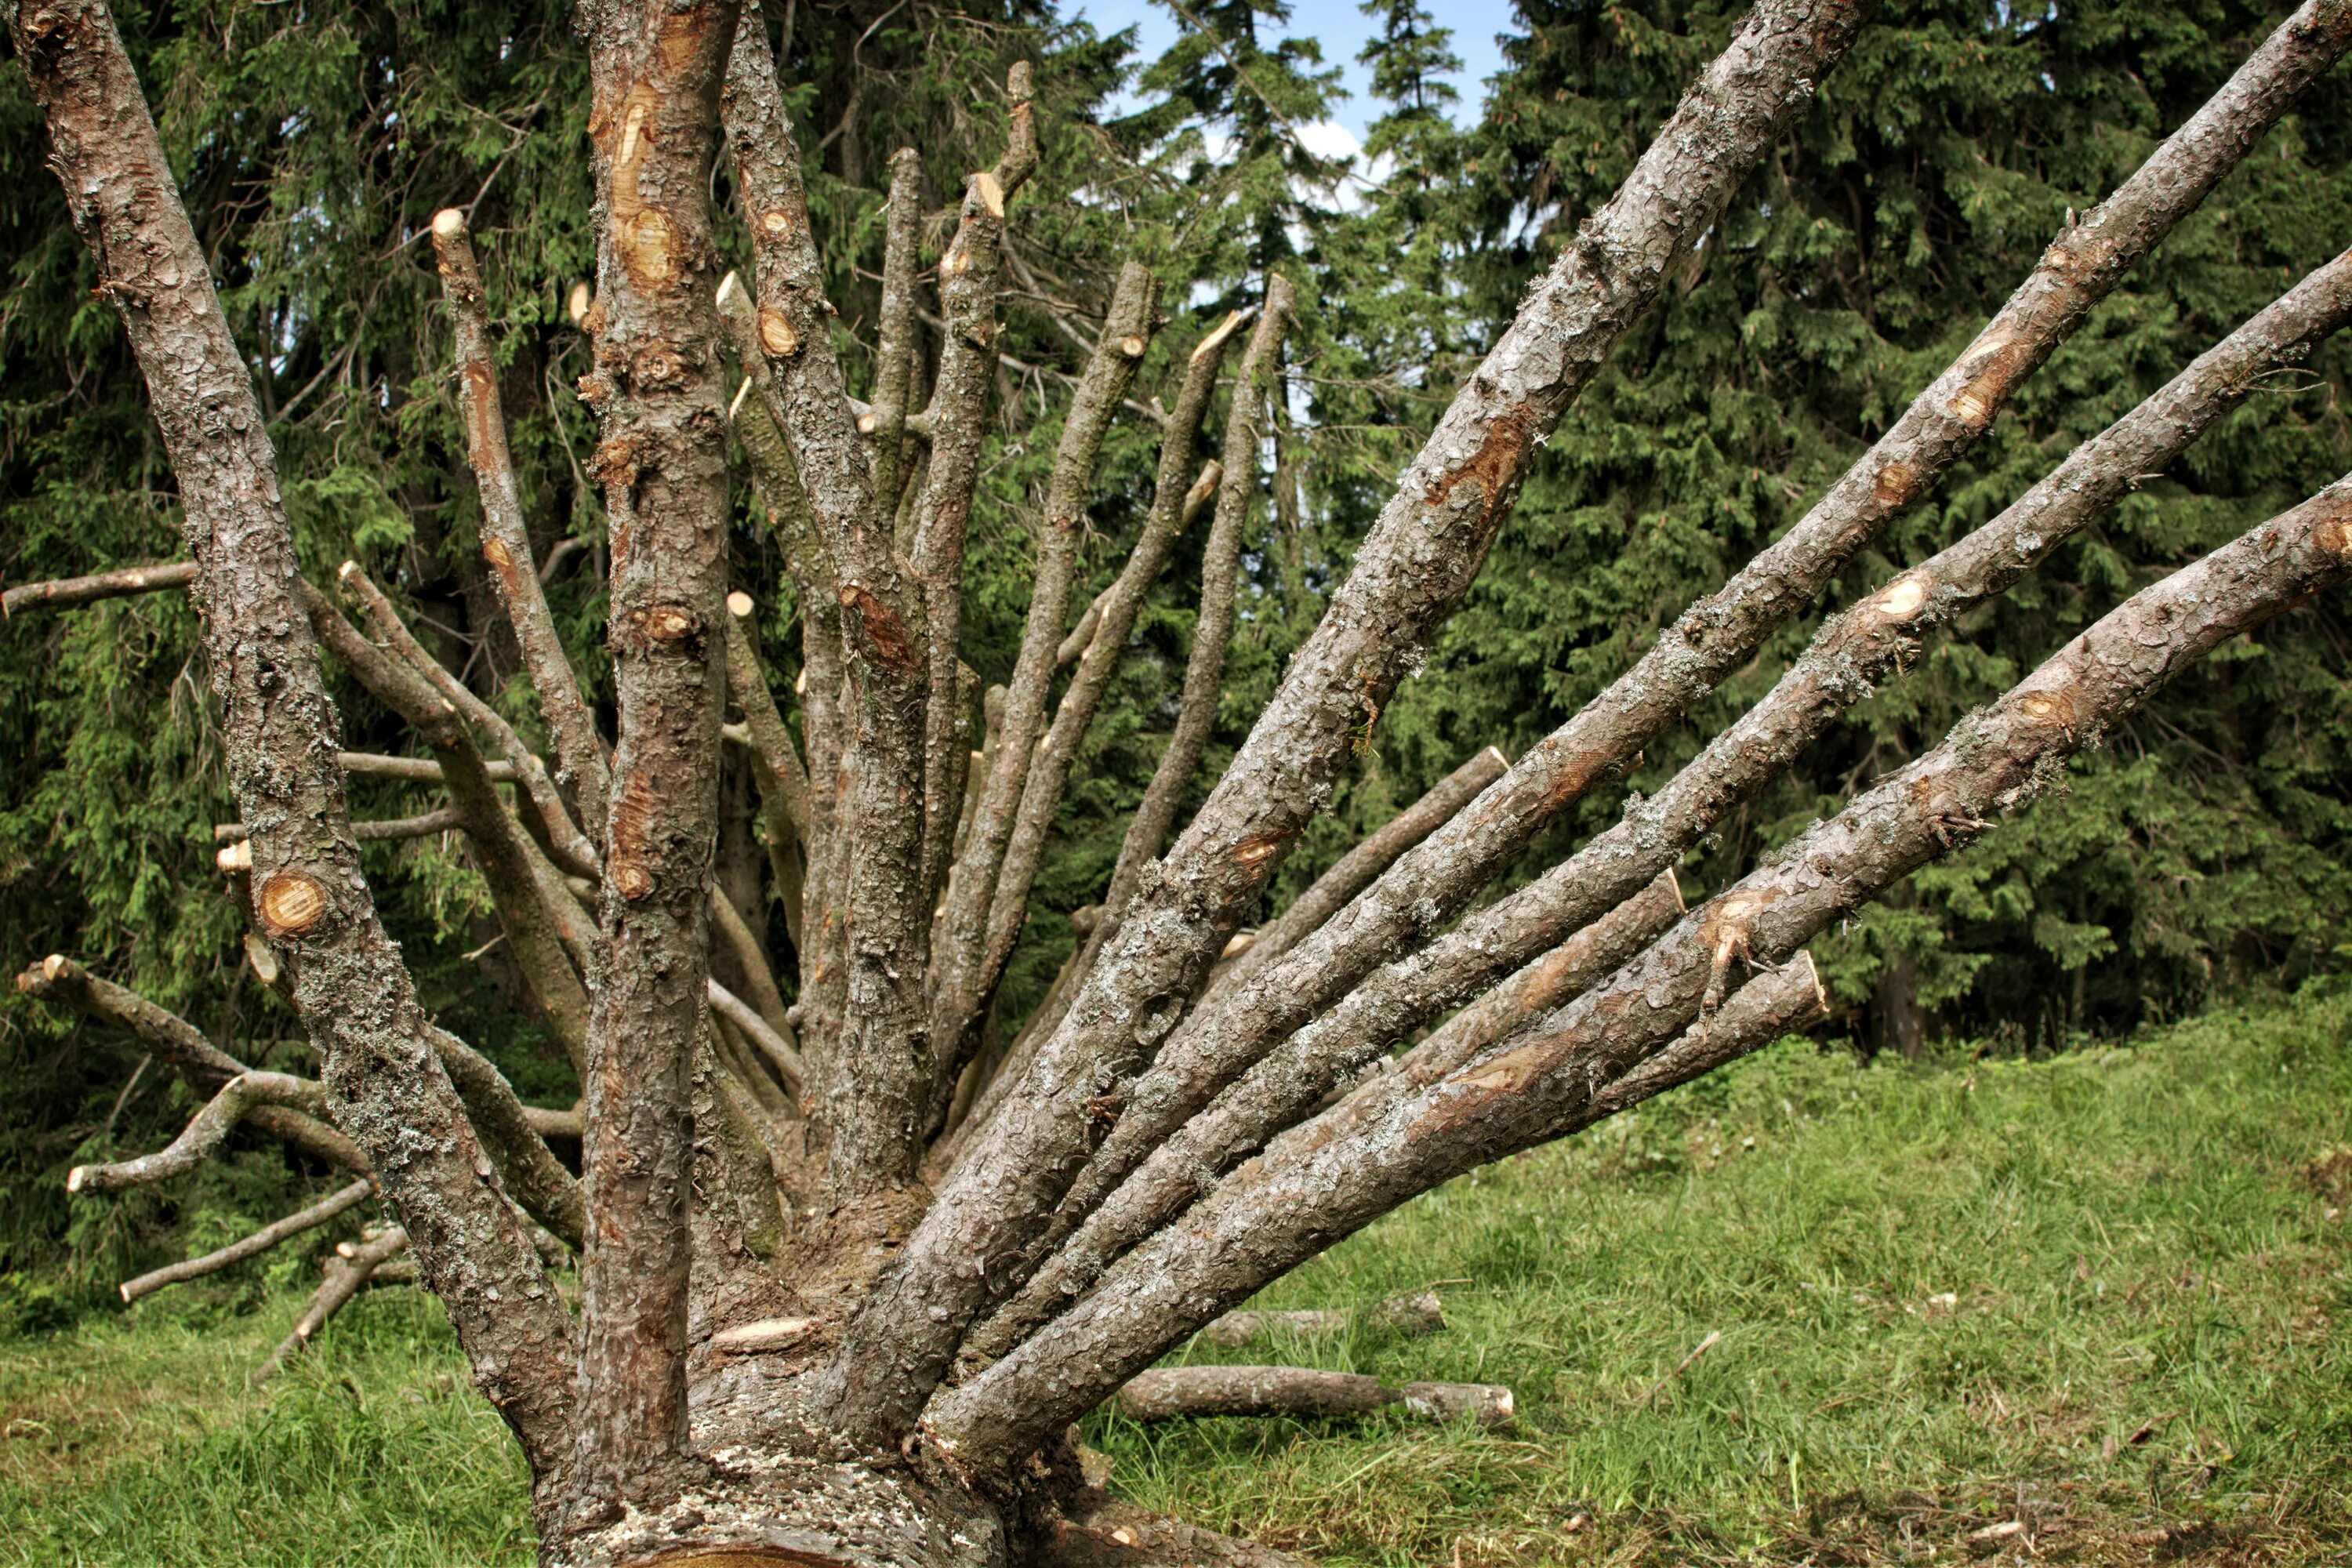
[(1169, 1392)]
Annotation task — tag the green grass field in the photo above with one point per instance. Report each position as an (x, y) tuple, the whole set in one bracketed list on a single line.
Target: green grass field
[(2094, 1299)]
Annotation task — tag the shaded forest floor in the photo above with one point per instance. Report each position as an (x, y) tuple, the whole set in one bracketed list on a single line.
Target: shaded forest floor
[(2082, 1310)]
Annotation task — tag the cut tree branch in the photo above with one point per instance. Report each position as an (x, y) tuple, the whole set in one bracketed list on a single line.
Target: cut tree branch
[(506, 537), (254, 1246), (1410, 572), (66, 593), (1431, 884), (1169, 1393), (1404, 1133), (204, 1134), (987, 896)]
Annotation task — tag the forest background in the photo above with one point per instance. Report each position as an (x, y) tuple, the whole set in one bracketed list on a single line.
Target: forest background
[(2204, 855)]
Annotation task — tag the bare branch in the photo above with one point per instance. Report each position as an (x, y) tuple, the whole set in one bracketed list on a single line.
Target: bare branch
[(529, 911), (1432, 883), (260, 1241), (751, 956), (783, 787), (894, 346), (1196, 501), (969, 350), (506, 538), (1204, 670), (204, 1134), (1050, 762), (558, 833), (773, 1045), (963, 975), (1367, 860), (416, 770), (516, 1140), (1404, 1133), (66, 593), (183, 1047), (344, 1277), (445, 819)]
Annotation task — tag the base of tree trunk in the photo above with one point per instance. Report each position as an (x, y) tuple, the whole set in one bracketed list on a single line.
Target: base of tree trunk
[(793, 1513)]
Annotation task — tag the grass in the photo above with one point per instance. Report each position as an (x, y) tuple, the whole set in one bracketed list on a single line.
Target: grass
[(2092, 1296)]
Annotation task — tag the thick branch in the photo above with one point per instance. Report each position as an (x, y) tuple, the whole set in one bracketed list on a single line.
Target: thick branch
[(506, 538), (66, 593), (1847, 660), (204, 1134), (873, 1068), (1405, 1131), (1410, 572), (254, 1246), (1110, 1211), (655, 75), (1432, 883)]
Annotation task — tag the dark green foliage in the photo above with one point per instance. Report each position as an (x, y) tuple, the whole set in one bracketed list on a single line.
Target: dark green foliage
[(2207, 846)]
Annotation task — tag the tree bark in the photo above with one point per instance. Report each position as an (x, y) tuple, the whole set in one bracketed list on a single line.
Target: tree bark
[(1431, 884), (1407, 1131), (1409, 575), (506, 536), (654, 74), (987, 896), (392, 1096), (66, 593)]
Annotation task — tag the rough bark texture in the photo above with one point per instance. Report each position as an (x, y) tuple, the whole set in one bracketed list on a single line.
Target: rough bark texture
[(1108, 1210), (392, 1096), (872, 1073), (1715, 637), (1406, 1131), (1357, 867), (506, 537), (654, 73), (1409, 575), (988, 892)]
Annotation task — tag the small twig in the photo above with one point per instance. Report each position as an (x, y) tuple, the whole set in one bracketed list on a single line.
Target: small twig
[(1680, 1367)]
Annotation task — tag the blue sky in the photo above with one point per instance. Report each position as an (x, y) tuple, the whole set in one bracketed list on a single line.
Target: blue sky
[(1342, 30)]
